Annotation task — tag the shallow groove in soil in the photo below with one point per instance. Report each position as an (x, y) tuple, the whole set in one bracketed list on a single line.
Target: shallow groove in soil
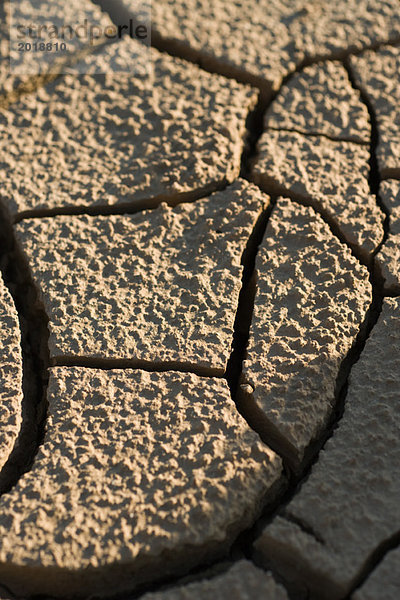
[(315, 134), (305, 527)]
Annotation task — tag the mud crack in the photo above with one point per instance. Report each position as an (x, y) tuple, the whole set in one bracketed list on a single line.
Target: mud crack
[(126, 208), (244, 543), (35, 357), (375, 558)]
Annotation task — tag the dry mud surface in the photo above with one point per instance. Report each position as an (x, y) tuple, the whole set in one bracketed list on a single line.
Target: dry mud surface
[(200, 305)]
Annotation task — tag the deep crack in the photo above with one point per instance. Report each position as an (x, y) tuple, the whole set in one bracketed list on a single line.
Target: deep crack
[(245, 307), (375, 558), (90, 362), (35, 359)]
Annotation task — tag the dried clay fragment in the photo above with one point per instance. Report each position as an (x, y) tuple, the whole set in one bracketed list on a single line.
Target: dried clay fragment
[(311, 301), (170, 132), (140, 476), (159, 287), (377, 73), (388, 258), (349, 506)]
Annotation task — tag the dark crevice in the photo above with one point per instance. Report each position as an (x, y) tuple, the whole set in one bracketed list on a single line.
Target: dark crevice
[(375, 558), (130, 207), (299, 475), (299, 472), (196, 575), (245, 308), (136, 363), (35, 359), (255, 125), (5, 592), (255, 129)]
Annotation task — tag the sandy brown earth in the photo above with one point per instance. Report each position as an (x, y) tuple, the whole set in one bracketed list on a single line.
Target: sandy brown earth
[(199, 303)]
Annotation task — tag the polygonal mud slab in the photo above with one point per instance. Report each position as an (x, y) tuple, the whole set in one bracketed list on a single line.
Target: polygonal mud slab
[(321, 100), (141, 475), (388, 258), (263, 41), (311, 299), (32, 22), (330, 175), (122, 138), (10, 374), (378, 75), (243, 581), (349, 505), (157, 287), (384, 581)]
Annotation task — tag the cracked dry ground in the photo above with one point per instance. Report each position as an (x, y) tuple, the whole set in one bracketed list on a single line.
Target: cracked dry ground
[(200, 307)]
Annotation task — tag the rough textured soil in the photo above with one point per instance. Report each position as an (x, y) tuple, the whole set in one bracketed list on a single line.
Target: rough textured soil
[(377, 75), (21, 15), (200, 304), (311, 300), (174, 132), (157, 287), (10, 374), (153, 464), (389, 255), (357, 470)]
